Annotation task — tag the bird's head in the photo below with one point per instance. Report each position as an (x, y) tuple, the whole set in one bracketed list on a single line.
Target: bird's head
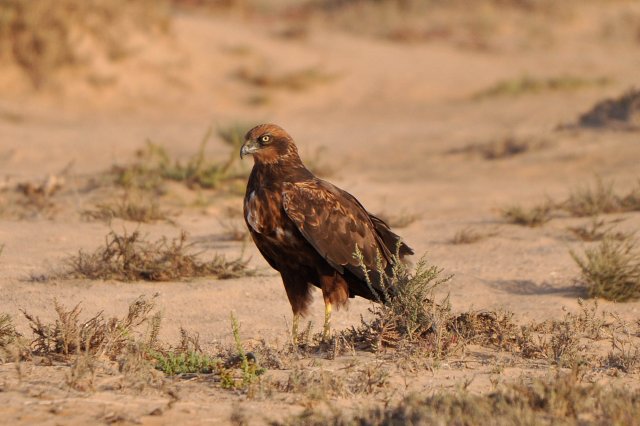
[(269, 144)]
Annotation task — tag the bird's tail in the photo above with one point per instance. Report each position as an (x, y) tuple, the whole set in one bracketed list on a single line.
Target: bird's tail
[(391, 240)]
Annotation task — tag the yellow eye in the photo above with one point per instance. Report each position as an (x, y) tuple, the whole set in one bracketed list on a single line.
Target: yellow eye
[(265, 138)]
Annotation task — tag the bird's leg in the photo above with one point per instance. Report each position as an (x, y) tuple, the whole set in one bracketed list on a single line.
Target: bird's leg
[(294, 329), (326, 333)]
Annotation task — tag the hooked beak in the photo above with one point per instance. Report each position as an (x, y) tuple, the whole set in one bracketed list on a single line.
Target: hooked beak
[(249, 147)]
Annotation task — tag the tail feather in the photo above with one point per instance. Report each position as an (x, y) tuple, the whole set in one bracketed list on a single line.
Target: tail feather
[(392, 241)]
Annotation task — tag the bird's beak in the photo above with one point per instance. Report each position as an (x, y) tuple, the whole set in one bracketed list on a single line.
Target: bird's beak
[(249, 147)]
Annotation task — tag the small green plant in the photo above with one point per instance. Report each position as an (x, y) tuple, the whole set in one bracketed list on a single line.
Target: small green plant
[(154, 166), (174, 363), (130, 257), (249, 369), (611, 270), (535, 216)]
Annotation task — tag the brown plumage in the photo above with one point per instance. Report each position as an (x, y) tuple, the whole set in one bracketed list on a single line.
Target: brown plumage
[(308, 229)]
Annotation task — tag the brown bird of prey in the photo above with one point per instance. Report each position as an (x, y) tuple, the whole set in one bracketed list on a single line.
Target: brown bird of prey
[(308, 229)]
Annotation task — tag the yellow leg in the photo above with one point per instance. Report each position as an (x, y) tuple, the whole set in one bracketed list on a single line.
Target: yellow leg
[(326, 334), (294, 329)]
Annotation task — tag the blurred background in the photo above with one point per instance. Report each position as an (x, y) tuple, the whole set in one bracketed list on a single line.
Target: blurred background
[(383, 91)]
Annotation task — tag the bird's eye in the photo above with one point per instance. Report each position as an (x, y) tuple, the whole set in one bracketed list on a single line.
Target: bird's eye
[(265, 139)]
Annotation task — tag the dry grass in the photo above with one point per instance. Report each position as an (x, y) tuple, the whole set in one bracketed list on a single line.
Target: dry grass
[(32, 199), (40, 37), (601, 199), (559, 400), (8, 333), (88, 346), (505, 147), (130, 257), (621, 113), (532, 217), (624, 355), (298, 80), (96, 336), (140, 209), (411, 315), (325, 385), (597, 230), (530, 85), (611, 270), (469, 236)]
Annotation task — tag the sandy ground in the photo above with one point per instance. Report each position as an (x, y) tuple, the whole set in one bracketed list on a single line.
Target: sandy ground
[(387, 120)]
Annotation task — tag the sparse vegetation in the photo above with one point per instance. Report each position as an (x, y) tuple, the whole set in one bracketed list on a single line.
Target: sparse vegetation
[(589, 201), (8, 333), (142, 210), (323, 385), (470, 236), (601, 199), (132, 341), (528, 85), (622, 113), (597, 230), (505, 147), (31, 199), (98, 336), (611, 270), (411, 314), (294, 80), (130, 257), (563, 399), (249, 369), (41, 37), (154, 165), (532, 217)]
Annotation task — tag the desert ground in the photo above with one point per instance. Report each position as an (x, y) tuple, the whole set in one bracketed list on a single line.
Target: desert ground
[(440, 120)]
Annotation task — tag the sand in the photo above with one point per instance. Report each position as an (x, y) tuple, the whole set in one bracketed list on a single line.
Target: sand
[(387, 120)]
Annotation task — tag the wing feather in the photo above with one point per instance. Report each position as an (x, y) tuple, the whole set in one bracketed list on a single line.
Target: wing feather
[(334, 223)]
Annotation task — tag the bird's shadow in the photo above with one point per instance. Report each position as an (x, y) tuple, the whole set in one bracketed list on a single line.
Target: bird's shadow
[(529, 287)]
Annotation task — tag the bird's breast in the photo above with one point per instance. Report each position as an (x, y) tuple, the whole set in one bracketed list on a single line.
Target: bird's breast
[(264, 215)]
